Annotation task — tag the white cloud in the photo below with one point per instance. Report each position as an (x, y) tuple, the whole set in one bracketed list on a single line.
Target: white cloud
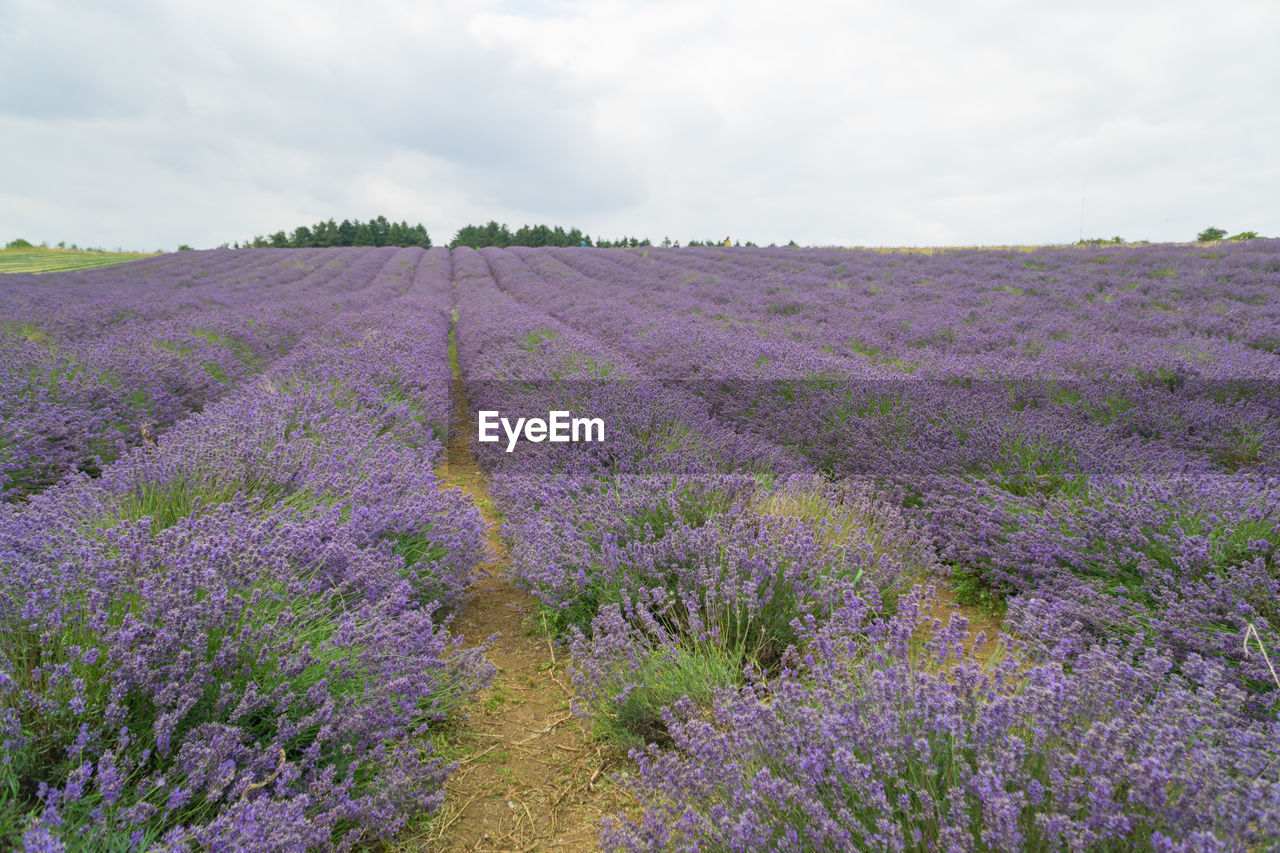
[(149, 123)]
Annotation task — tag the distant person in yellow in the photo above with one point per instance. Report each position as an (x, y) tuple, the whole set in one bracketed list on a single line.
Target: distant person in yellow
[(726, 241)]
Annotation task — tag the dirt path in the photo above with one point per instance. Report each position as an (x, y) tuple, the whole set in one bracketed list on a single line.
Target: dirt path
[(981, 622), (529, 776)]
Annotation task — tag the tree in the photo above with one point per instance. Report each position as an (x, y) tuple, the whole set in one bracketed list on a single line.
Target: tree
[(418, 236), (479, 236), (19, 244), (1210, 234), (543, 235), (494, 234), (378, 231), (381, 229), (497, 235), (471, 236), (326, 233), (347, 233)]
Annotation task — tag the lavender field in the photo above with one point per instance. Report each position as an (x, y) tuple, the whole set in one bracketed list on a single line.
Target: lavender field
[(952, 550)]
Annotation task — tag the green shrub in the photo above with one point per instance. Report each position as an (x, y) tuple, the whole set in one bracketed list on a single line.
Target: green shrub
[(629, 712)]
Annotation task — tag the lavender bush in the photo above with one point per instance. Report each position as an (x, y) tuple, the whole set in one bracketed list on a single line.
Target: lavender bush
[(228, 627), (86, 375), (237, 639), (986, 392), (885, 740), (1084, 439)]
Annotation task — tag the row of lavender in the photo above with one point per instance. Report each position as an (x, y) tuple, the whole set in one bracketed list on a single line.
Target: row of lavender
[(252, 583), (1050, 312), (237, 638), (757, 628), (1102, 507), (973, 333), (95, 362), (645, 542)]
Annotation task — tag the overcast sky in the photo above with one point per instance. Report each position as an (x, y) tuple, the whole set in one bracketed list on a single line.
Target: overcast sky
[(148, 124)]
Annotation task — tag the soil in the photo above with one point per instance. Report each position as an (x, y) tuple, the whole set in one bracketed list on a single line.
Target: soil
[(981, 622), (529, 774)]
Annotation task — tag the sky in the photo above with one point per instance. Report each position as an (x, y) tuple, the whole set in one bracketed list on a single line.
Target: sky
[(144, 125)]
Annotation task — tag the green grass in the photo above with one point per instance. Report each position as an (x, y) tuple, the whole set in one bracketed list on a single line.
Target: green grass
[(39, 259), (633, 717), (168, 503), (974, 589), (28, 332), (533, 339), (1026, 467), (877, 356), (421, 554)]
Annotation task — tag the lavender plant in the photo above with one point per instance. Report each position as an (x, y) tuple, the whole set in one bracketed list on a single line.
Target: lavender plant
[(238, 638), (86, 376), (1083, 438), (236, 635), (1023, 400), (893, 735)]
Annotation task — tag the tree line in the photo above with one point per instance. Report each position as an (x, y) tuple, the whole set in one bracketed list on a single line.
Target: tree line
[(378, 231), (493, 234)]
